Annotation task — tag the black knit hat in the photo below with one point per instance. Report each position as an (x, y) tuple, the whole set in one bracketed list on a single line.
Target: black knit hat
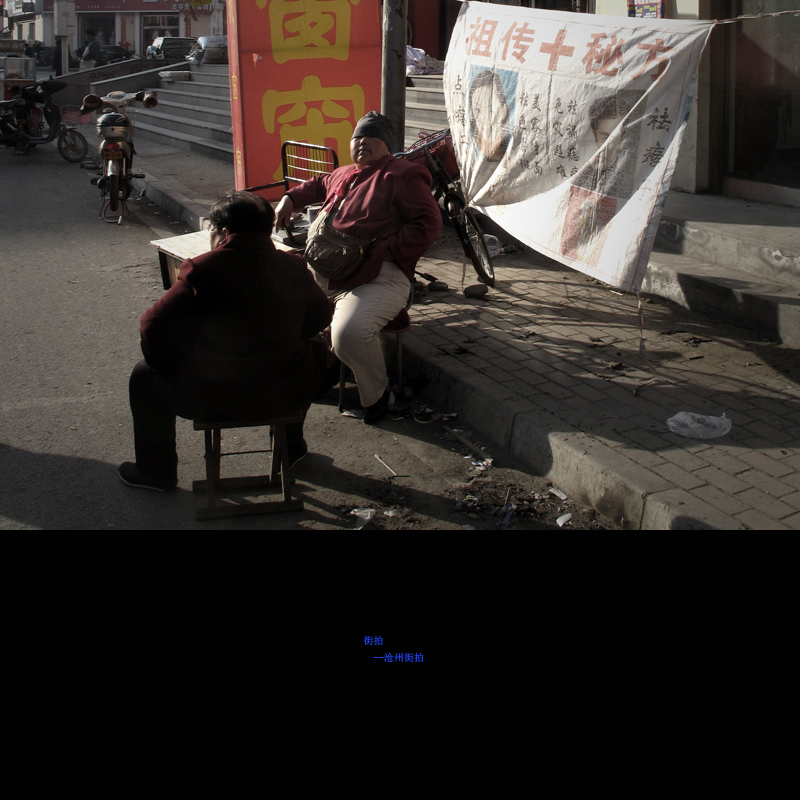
[(375, 124)]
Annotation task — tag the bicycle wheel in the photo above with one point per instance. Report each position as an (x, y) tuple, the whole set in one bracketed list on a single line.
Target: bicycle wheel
[(72, 146), (113, 192), (481, 259)]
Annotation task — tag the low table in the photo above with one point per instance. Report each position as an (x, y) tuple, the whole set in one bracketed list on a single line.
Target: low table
[(174, 250)]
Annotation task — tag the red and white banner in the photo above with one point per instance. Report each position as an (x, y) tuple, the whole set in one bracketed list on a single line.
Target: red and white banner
[(567, 127), (301, 70)]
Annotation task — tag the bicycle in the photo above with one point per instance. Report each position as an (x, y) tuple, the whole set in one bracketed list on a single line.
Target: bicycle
[(436, 151)]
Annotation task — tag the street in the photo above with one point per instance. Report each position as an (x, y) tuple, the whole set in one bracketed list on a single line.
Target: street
[(74, 288)]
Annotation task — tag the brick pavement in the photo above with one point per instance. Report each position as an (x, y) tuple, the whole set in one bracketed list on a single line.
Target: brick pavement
[(554, 350)]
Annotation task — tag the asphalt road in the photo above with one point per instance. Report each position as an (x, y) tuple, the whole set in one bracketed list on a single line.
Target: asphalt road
[(74, 288)]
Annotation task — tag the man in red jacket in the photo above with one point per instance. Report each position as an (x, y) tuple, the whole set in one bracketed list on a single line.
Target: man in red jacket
[(230, 340), (376, 194)]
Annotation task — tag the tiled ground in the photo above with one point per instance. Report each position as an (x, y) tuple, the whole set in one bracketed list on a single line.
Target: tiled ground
[(555, 342)]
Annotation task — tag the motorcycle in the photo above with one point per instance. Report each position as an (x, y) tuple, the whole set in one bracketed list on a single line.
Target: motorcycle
[(115, 128), (22, 122)]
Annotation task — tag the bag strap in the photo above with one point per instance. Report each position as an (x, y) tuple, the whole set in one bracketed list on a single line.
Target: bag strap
[(341, 193)]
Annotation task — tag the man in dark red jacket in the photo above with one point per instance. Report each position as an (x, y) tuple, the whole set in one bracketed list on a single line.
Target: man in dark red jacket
[(231, 340), (389, 200)]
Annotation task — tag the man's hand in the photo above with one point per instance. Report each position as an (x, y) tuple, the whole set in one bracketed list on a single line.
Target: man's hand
[(283, 213)]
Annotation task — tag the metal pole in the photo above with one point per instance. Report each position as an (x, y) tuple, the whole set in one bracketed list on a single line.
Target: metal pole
[(393, 87)]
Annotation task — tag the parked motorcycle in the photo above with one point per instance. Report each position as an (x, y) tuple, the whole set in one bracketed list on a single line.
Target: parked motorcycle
[(22, 122), (115, 128)]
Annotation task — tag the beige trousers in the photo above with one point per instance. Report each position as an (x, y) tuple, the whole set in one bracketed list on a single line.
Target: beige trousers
[(358, 317)]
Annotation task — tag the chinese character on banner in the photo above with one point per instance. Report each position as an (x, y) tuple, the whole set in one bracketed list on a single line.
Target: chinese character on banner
[(304, 70)]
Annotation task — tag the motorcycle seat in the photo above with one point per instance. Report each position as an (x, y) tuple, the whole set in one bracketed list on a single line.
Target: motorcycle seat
[(6, 104)]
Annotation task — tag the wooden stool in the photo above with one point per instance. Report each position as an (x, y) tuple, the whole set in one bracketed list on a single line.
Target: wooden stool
[(214, 485)]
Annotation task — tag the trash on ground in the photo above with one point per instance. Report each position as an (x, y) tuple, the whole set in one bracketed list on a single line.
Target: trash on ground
[(563, 520), (477, 291), (357, 413), (364, 515), (493, 245), (438, 286), (482, 454), (557, 492), (698, 426), (394, 474)]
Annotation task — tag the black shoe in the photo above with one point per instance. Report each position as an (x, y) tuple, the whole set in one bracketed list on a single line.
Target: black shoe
[(129, 474), (377, 411), (297, 454)]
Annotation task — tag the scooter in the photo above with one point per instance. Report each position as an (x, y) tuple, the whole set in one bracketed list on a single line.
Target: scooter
[(22, 126), (115, 128)]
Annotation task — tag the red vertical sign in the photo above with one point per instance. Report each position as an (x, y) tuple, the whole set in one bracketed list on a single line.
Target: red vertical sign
[(302, 70)]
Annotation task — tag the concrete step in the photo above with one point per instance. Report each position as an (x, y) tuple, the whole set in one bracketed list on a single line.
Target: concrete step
[(211, 73), (427, 113), (172, 93), (758, 240), (426, 94), (186, 141), (198, 88), (215, 126), (770, 309), (194, 111)]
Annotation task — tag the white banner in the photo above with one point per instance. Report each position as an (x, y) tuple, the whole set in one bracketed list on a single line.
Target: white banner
[(567, 127)]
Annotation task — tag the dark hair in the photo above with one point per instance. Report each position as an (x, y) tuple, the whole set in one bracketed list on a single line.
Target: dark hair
[(242, 212), (91, 32)]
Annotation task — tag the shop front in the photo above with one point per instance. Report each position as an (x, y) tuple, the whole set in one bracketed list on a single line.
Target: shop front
[(134, 24)]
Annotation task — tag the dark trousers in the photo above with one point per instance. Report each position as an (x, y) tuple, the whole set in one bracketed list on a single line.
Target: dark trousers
[(156, 401)]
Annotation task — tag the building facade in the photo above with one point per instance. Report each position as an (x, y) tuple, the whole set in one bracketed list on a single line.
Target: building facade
[(133, 24), (743, 135)]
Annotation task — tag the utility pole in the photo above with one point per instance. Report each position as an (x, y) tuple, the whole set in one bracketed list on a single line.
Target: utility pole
[(393, 87), (64, 23)]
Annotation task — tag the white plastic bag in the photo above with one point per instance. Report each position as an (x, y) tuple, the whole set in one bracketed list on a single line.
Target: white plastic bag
[(696, 426)]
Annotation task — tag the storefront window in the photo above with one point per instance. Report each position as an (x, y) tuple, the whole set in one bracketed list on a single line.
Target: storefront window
[(765, 143), (155, 25), (104, 24)]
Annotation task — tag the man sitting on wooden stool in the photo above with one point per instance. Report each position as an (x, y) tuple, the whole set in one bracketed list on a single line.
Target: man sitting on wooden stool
[(230, 340)]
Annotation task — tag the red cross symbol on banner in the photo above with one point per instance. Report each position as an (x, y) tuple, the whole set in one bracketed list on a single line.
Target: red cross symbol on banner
[(557, 49)]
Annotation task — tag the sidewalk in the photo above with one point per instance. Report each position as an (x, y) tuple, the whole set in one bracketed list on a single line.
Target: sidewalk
[(548, 367)]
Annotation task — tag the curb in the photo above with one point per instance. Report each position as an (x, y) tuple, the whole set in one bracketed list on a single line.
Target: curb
[(581, 465), (167, 193)]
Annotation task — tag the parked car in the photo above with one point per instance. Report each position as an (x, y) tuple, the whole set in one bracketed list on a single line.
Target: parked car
[(171, 47), (110, 54)]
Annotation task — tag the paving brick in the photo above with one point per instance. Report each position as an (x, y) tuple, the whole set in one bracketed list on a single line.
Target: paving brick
[(760, 480), (721, 456), (766, 504), (793, 461), (792, 500), (721, 500), (792, 480), (766, 464), (645, 458), (792, 523), (645, 439), (680, 477), (771, 434), (554, 390), (722, 480), (563, 379), (529, 376), (756, 521), (590, 393)]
